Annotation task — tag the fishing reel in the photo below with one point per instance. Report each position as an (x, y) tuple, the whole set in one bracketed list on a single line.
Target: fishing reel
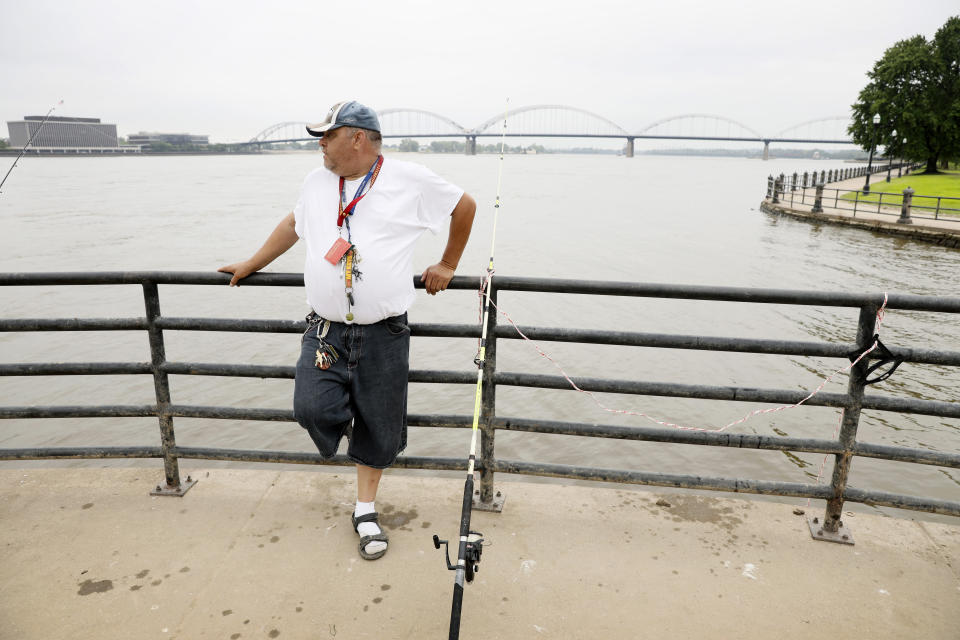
[(471, 556)]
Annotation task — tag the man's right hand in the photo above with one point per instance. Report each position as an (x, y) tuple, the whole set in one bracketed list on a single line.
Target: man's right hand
[(240, 270), (282, 238)]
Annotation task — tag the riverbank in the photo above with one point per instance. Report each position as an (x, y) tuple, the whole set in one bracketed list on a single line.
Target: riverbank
[(271, 554), (837, 209)]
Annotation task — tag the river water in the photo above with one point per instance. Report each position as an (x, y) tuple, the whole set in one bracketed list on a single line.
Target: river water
[(683, 220)]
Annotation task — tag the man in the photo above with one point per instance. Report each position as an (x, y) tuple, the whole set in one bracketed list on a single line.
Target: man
[(358, 277)]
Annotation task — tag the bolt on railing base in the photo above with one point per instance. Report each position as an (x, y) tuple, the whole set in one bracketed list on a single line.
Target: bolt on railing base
[(842, 535), (495, 505), (174, 491)]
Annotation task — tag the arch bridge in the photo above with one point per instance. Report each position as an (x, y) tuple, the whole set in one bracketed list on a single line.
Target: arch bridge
[(563, 121)]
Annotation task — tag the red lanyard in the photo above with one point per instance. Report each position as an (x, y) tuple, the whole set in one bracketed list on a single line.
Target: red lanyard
[(362, 190)]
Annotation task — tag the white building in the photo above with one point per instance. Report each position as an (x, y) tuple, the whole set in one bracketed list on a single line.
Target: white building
[(61, 135)]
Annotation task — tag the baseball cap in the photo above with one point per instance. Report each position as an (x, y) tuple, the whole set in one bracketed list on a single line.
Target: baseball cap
[(346, 114)]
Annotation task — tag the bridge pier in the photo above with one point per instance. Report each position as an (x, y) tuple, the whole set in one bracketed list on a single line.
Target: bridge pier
[(766, 149), (629, 152), (471, 146)]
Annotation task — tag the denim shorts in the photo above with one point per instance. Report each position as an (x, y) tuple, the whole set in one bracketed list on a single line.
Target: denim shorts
[(365, 387)]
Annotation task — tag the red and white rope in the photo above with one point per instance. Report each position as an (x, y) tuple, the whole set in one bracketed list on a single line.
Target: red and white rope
[(640, 414)]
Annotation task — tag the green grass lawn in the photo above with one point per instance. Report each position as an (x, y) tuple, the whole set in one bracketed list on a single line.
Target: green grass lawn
[(945, 184)]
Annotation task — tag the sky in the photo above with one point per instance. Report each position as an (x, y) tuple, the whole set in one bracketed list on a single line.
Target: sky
[(231, 69)]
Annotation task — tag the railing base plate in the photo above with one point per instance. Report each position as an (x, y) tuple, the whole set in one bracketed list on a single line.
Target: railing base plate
[(495, 505), (174, 491), (842, 535)]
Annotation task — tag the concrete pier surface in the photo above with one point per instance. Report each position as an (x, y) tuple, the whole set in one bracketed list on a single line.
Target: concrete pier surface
[(799, 204), (87, 553)]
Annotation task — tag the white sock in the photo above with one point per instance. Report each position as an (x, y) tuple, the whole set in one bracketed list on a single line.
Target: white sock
[(369, 528)]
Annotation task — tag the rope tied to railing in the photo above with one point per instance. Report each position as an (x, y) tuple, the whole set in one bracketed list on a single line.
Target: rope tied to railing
[(482, 294), (640, 414), (881, 313)]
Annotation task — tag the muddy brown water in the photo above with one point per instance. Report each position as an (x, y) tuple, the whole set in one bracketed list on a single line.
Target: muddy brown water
[(647, 219)]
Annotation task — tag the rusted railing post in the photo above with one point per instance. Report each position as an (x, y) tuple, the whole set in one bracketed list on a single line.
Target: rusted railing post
[(831, 528), (161, 383), (488, 500)]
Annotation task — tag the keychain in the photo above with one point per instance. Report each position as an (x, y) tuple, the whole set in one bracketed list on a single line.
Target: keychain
[(326, 354)]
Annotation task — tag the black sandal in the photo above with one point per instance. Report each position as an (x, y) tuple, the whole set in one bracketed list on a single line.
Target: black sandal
[(365, 540)]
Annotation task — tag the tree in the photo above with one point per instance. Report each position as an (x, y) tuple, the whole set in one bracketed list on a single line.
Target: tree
[(3, 143), (409, 145), (447, 146), (158, 146), (915, 88)]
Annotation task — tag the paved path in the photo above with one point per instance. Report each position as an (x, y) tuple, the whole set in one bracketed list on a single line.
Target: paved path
[(87, 553)]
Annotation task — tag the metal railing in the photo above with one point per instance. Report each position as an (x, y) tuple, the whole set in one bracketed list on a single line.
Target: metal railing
[(844, 448), (793, 191), (778, 186), (896, 205)]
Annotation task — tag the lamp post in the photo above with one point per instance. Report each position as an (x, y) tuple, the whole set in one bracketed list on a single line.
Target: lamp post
[(903, 144), (893, 136), (873, 146)]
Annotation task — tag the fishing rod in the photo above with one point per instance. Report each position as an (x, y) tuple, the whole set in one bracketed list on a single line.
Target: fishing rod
[(24, 150), (471, 542)]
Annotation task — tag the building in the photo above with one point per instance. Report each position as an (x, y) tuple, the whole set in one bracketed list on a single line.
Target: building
[(66, 135), (146, 138)]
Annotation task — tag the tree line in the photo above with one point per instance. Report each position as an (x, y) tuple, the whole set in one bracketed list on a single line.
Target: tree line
[(454, 146)]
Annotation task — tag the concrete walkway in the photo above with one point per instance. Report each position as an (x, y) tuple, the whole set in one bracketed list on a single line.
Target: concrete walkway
[(87, 553), (799, 204)]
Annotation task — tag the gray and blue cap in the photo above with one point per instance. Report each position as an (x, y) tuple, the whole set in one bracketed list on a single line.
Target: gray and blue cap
[(346, 114)]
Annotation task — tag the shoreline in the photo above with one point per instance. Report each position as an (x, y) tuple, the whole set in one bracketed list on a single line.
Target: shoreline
[(914, 231), (943, 232)]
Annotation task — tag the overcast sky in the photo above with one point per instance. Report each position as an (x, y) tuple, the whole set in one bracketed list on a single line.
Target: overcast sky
[(231, 69)]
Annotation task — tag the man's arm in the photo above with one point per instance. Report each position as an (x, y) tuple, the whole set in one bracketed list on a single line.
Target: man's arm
[(282, 238), (436, 277)]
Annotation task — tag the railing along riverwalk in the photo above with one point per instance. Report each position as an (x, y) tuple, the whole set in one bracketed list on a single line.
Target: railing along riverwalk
[(795, 190), (844, 448)]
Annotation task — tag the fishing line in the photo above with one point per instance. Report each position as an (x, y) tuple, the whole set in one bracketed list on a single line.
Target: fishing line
[(639, 414), (24, 150), (471, 542), (854, 359)]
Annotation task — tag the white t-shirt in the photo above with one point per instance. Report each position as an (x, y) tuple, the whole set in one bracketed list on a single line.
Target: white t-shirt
[(405, 200)]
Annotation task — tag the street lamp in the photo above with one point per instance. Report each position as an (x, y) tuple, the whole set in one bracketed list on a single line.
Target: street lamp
[(903, 145), (873, 146), (893, 136)]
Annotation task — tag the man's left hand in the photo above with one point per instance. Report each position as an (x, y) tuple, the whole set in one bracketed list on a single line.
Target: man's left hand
[(436, 277)]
